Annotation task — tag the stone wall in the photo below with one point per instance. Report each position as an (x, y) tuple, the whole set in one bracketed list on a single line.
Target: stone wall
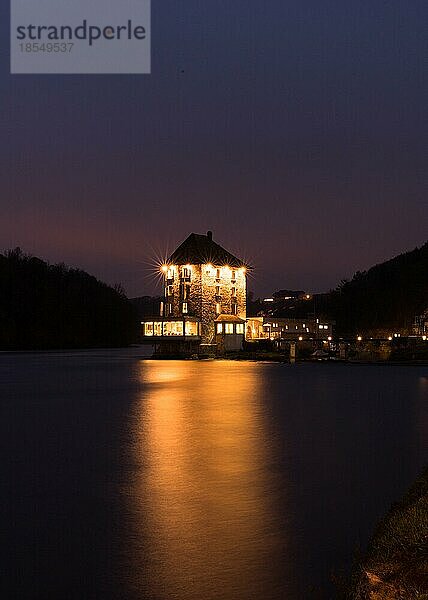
[(210, 283), (202, 295), (194, 292)]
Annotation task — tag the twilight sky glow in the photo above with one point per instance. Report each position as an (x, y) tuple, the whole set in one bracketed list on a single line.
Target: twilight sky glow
[(295, 130)]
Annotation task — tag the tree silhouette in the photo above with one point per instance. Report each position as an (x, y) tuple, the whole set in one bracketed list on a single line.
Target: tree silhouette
[(45, 306)]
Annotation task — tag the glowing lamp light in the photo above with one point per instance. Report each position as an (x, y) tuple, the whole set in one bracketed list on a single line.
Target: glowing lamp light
[(330, 338), (300, 339), (359, 339), (164, 268), (424, 337), (390, 338)]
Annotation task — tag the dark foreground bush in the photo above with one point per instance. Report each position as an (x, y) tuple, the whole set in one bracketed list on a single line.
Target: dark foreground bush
[(396, 564)]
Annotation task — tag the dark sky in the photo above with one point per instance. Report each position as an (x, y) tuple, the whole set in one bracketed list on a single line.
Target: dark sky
[(295, 130)]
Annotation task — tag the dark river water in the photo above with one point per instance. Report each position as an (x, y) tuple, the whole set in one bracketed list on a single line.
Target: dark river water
[(154, 480)]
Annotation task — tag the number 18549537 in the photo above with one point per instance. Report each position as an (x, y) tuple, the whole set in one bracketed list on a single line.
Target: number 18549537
[(48, 47)]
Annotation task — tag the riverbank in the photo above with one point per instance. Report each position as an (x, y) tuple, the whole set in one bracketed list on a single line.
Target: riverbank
[(282, 357), (396, 564)]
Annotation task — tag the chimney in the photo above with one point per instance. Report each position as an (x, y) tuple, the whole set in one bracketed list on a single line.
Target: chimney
[(210, 235)]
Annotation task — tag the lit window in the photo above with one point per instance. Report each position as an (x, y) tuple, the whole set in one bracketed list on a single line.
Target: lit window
[(217, 308), (186, 272), (170, 273), (158, 329), (148, 329), (325, 326), (229, 328), (217, 290), (240, 328), (233, 275), (233, 291), (320, 326), (173, 328), (191, 328), (185, 308), (218, 273), (234, 309), (219, 327)]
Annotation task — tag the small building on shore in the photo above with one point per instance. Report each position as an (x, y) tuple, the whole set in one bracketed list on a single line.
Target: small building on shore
[(420, 327), (287, 329)]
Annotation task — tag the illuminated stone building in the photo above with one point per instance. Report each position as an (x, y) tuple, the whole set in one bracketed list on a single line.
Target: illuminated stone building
[(204, 304)]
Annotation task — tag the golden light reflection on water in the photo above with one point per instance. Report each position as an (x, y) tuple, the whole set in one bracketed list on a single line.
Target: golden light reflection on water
[(204, 505)]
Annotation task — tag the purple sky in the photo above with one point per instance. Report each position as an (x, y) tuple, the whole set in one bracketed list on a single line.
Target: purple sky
[(296, 131)]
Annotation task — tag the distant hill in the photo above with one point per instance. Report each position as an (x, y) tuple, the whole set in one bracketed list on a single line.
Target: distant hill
[(45, 306), (147, 306), (382, 300), (386, 297)]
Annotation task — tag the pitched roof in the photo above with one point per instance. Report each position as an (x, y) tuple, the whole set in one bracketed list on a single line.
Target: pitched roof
[(200, 249)]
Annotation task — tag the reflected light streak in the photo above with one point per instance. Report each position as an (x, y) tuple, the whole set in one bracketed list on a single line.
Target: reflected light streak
[(204, 503), (163, 372)]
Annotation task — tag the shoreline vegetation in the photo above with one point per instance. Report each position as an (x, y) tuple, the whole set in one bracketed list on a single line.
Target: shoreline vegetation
[(395, 566)]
